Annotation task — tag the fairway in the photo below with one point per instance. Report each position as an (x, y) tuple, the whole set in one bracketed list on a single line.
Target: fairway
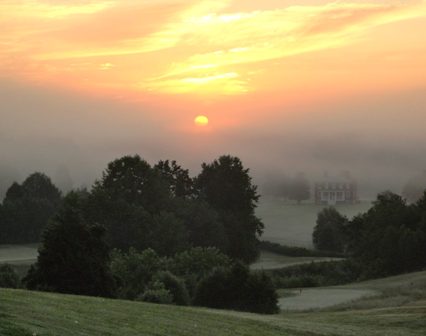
[(268, 261), (27, 313), (291, 224), (18, 254)]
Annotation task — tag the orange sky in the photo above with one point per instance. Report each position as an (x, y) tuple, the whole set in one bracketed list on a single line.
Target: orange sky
[(208, 50)]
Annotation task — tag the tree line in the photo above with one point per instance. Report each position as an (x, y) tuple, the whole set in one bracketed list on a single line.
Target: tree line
[(144, 213), (388, 239)]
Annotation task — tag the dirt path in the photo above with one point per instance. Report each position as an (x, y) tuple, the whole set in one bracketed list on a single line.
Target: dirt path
[(316, 298)]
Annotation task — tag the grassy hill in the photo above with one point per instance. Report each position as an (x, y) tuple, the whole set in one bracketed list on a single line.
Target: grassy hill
[(25, 313)]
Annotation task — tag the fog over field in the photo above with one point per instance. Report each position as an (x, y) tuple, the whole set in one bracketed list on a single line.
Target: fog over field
[(379, 139)]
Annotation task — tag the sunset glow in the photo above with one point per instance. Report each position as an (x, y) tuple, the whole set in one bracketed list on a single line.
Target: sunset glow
[(209, 48), (201, 120)]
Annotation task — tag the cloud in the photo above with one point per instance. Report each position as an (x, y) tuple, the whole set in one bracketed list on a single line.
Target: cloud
[(176, 46)]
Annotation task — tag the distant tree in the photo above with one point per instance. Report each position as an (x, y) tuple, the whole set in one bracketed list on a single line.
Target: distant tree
[(329, 232), (28, 207), (40, 186), (299, 189), (415, 187), (277, 187), (227, 186), (73, 257)]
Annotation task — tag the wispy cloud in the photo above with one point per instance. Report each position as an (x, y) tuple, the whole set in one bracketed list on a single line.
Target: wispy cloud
[(178, 46)]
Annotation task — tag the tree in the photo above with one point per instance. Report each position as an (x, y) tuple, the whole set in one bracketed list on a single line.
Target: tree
[(28, 207), (73, 257), (179, 182), (413, 190), (329, 234), (127, 200), (390, 237), (227, 186), (203, 224), (299, 188)]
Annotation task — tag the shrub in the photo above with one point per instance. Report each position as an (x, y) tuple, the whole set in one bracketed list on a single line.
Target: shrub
[(237, 288), (8, 277), (175, 286), (156, 293)]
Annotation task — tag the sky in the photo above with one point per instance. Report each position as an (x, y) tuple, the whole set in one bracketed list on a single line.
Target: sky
[(287, 86)]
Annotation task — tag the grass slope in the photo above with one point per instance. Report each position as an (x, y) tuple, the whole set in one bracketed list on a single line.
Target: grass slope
[(25, 313), (34, 313)]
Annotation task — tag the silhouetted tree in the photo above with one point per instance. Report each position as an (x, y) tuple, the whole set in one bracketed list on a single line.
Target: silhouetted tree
[(227, 186), (178, 180), (73, 257), (27, 209), (329, 233)]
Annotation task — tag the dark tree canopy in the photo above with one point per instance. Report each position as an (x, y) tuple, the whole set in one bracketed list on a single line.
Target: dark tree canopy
[(227, 186), (390, 238), (329, 233), (177, 178), (27, 208), (237, 288), (73, 257)]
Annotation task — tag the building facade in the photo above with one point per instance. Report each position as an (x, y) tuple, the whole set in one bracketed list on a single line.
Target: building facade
[(336, 191)]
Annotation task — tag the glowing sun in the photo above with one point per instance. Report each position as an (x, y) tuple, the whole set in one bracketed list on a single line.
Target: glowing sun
[(201, 120)]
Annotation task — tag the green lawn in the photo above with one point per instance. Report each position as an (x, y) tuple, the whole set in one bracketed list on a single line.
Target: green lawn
[(269, 260), (25, 313), (291, 224), (18, 254)]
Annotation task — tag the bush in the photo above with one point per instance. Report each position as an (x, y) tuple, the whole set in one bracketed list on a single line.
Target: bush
[(8, 277), (175, 286), (134, 270), (195, 264), (327, 273), (156, 293), (237, 288)]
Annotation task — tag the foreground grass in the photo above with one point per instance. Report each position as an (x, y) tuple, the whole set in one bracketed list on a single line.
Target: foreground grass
[(25, 313), (33, 313)]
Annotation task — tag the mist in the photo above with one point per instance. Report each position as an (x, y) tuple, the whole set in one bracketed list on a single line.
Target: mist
[(71, 137)]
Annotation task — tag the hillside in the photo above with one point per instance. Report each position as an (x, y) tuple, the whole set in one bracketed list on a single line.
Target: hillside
[(25, 313)]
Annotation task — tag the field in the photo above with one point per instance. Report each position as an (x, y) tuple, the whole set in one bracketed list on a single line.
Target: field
[(269, 260), (18, 254), (291, 224), (25, 313)]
